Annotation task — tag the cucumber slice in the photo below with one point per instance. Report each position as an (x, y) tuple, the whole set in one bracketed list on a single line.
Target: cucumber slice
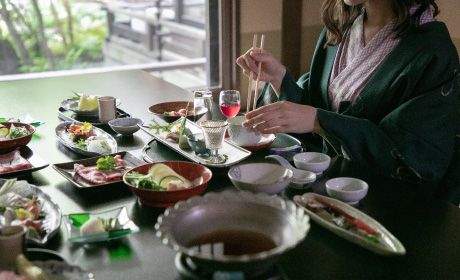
[(164, 183), (4, 131)]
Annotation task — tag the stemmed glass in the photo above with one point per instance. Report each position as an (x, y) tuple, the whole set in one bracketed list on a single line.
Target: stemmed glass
[(214, 132), (230, 102)]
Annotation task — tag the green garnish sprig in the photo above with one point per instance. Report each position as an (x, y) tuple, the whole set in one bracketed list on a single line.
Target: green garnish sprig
[(165, 128), (108, 163), (81, 144)]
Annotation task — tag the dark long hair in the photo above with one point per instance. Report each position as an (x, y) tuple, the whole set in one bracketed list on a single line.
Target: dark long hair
[(337, 16)]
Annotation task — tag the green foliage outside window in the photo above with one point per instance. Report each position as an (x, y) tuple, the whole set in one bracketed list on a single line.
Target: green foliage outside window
[(77, 47)]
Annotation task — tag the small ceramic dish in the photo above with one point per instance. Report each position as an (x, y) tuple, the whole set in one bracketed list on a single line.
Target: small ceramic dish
[(198, 145), (346, 189), (312, 161), (126, 126), (269, 178), (301, 179), (75, 221)]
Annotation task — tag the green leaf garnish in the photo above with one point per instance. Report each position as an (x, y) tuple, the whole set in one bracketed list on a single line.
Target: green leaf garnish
[(108, 163)]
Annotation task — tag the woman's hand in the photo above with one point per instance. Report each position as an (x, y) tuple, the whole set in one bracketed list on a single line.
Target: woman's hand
[(283, 117), (271, 71)]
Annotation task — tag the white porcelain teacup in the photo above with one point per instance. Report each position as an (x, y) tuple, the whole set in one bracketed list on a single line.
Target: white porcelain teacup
[(242, 136)]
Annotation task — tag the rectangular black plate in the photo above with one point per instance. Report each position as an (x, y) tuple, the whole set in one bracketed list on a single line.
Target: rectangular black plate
[(67, 169), (36, 161)]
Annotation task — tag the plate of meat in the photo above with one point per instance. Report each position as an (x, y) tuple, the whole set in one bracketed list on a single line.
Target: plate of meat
[(98, 171), (19, 162)]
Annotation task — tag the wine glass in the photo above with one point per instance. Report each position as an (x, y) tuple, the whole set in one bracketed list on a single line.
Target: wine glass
[(214, 132), (230, 102)]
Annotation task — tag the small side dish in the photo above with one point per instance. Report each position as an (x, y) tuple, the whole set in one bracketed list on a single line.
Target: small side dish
[(102, 226), (350, 223)]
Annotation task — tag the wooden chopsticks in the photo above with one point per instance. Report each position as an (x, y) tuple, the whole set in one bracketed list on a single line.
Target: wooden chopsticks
[(251, 76)]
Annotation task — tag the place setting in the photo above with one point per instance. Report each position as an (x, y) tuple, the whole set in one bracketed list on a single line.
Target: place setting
[(16, 158), (94, 109)]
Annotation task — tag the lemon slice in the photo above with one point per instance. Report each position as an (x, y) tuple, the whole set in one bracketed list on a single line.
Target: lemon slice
[(4, 131)]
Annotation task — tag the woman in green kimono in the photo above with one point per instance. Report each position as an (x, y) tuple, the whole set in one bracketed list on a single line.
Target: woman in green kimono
[(383, 90)]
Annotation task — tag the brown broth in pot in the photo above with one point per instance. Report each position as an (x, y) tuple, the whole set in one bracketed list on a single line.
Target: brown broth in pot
[(231, 243)]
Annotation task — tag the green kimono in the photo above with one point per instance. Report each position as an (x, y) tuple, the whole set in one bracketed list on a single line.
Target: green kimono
[(406, 120)]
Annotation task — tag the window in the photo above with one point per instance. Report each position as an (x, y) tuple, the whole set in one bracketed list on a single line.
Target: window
[(177, 40)]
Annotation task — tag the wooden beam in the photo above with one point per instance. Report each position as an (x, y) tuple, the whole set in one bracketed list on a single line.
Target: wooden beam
[(291, 36)]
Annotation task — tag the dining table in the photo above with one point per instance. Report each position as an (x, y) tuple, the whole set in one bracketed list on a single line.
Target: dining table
[(429, 228)]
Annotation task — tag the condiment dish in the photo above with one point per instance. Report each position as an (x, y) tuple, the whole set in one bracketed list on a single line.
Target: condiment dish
[(269, 178), (312, 161), (197, 143), (126, 126), (301, 179), (347, 189)]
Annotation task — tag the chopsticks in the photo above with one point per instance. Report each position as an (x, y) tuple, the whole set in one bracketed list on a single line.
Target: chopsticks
[(251, 75), (256, 89)]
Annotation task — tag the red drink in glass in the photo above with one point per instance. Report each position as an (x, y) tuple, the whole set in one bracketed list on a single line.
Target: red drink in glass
[(230, 110)]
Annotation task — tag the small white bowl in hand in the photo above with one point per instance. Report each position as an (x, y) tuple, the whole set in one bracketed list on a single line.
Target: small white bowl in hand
[(269, 178), (242, 136), (125, 126), (312, 161), (347, 189)]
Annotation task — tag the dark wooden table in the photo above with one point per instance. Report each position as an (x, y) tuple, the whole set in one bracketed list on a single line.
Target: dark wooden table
[(428, 228)]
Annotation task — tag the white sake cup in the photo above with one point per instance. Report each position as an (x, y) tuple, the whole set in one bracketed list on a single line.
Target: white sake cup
[(12, 243), (107, 109)]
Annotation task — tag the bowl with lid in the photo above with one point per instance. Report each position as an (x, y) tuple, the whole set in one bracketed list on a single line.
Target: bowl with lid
[(204, 228)]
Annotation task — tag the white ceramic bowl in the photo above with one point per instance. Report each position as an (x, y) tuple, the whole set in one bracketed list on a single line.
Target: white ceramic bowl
[(242, 136), (269, 178), (125, 126), (346, 189), (312, 161)]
